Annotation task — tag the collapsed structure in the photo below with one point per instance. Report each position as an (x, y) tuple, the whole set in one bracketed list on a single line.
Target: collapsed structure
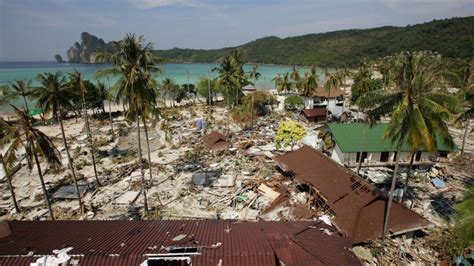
[(356, 207), (174, 242), (215, 141)]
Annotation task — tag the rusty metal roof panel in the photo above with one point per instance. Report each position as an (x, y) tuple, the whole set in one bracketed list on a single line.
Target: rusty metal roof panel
[(215, 141), (127, 242), (315, 112), (359, 208)]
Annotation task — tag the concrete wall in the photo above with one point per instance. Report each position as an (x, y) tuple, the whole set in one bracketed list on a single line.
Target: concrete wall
[(337, 155)]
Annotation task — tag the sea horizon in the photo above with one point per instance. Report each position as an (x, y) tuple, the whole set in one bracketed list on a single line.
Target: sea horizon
[(181, 73)]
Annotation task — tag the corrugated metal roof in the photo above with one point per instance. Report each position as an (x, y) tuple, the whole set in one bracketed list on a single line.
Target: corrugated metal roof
[(316, 112), (215, 141), (349, 137), (359, 208), (127, 242)]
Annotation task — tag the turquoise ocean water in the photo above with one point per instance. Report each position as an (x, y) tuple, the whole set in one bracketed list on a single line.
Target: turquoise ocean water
[(10, 71)]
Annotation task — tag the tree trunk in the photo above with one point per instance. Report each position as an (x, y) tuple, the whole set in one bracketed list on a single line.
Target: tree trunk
[(359, 165), (145, 202), (251, 112), (71, 166), (466, 132), (26, 105), (410, 166), (327, 106), (45, 192), (89, 138), (10, 185), (111, 121), (390, 198)]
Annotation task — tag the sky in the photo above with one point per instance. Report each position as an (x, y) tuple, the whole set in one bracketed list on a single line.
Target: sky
[(33, 30)]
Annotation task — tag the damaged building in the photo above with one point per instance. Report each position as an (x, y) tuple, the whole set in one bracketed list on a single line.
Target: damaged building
[(173, 242), (356, 208)]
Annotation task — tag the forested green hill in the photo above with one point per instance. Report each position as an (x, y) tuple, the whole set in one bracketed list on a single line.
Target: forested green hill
[(453, 38)]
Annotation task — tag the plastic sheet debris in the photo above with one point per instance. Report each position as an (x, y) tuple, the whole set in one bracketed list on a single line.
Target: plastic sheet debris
[(204, 178), (60, 257), (69, 192), (438, 183)]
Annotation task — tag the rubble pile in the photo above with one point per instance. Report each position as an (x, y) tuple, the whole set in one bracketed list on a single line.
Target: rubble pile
[(190, 181)]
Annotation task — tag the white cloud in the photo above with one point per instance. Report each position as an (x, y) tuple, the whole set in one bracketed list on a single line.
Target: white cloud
[(437, 3), (146, 4)]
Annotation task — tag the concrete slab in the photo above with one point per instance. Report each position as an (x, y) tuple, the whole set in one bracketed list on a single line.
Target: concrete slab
[(127, 198), (69, 192)]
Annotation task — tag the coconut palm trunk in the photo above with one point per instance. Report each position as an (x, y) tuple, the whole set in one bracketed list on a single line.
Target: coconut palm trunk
[(407, 180), (89, 137), (26, 104), (466, 132), (391, 193), (71, 166), (10, 185), (110, 112), (140, 161), (359, 165), (43, 186)]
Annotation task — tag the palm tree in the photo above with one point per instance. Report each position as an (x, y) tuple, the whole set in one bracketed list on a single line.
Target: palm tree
[(19, 88), (418, 112), (8, 132), (459, 75), (76, 84), (136, 65), (277, 79), (35, 142), (284, 85), (466, 115), (333, 82), (295, 76), (309, 84), (228, 77), (53, 95), (362, 84), (169, 88), (254, 74)]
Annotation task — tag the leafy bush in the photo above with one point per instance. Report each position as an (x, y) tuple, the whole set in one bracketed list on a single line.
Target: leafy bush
[(289, 133), (242, 115), (260, 100), (294, 102)]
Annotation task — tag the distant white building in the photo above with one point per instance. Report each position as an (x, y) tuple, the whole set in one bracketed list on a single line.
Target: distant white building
[(323, 98), (348, 145), (248, 89)]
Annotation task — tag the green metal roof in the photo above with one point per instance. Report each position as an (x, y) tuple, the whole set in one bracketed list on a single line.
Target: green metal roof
[(349, 138)]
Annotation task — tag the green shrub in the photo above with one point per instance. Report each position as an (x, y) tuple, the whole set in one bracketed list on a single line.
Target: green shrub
[(294, 102)]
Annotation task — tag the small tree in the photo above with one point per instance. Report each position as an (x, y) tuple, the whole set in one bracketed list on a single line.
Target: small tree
[(258, 100), (294, 102), (289, 133)]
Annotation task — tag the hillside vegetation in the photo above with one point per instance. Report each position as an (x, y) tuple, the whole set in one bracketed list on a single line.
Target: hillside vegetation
[(453, 38)]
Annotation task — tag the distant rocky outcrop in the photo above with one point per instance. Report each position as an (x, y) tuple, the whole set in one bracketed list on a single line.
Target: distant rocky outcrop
[(83, 52), (58, 58)]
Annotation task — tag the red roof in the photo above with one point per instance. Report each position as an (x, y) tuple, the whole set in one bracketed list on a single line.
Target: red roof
[(132, 242), (215, 141), (359, 208), (316, 112)]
